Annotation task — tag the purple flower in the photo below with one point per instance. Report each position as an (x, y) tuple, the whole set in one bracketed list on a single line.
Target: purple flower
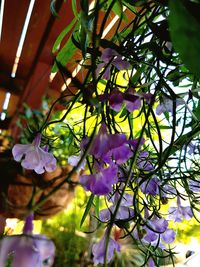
[(28, 226), (34, 157), (194, 185), (110, 146), (99, 250), (134, 142), (110, 56), (116, 99), (180, 212), (166, 190), (123, 213), (27, 251), (150, 262), (150, 186), (127, 199), (144, 162), (155, 227), (101, 182), (192, 147), (131, 99), (157, 230), (168, 236), (119, 154), (167, 105)]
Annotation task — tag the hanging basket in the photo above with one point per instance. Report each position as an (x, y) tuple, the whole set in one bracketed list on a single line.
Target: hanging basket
[(20, 189)]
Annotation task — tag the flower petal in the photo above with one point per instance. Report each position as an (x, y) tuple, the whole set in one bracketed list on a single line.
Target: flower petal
[(99, 250), (168, 236), (32, 160), (101, 182), (20, 150)]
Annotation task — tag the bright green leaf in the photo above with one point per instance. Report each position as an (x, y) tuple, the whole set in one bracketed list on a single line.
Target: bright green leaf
[(74, 9), (65, 54), (185, 35), (97, 204), (87, 209), (62, 35)]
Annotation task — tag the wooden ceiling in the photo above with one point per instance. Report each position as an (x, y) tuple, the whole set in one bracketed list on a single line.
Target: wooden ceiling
[(34, 68), (32, 80)]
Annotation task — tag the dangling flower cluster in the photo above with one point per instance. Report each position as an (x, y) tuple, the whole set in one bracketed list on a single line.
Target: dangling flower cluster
[(131, 99), (179, 213), (34, 157), (109, 152), (155, 231)]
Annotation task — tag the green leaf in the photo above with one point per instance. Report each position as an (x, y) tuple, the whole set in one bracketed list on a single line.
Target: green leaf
[(97, 204), (137, 3), (84, 6), (83, 32), (180, 142), (65, 54), (87, 209), (62, 35), (74, 9), (137, 75), (196, 110), (130, 7), (118, 9), (185, 35)]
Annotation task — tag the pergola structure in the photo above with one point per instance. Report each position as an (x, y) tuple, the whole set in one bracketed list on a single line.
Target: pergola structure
[(28, 31)]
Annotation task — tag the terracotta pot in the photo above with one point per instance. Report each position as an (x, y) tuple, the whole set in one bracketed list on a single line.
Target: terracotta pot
[(20, 189)]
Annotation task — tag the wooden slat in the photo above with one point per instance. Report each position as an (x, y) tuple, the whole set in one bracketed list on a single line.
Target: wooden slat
[(13, 21), (37, 26), (2, 98), (12, 105)]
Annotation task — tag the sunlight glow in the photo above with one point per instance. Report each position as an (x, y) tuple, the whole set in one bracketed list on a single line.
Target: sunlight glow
[(22, 39), (1, 16), (5, 106)]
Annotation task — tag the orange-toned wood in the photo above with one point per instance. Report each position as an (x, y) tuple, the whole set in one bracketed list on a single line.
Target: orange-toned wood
[(13, 21)]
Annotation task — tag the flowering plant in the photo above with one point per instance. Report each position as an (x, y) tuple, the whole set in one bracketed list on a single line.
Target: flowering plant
[(139, 131)]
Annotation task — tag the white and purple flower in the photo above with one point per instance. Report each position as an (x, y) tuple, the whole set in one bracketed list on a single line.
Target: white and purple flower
[(34, 157)]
